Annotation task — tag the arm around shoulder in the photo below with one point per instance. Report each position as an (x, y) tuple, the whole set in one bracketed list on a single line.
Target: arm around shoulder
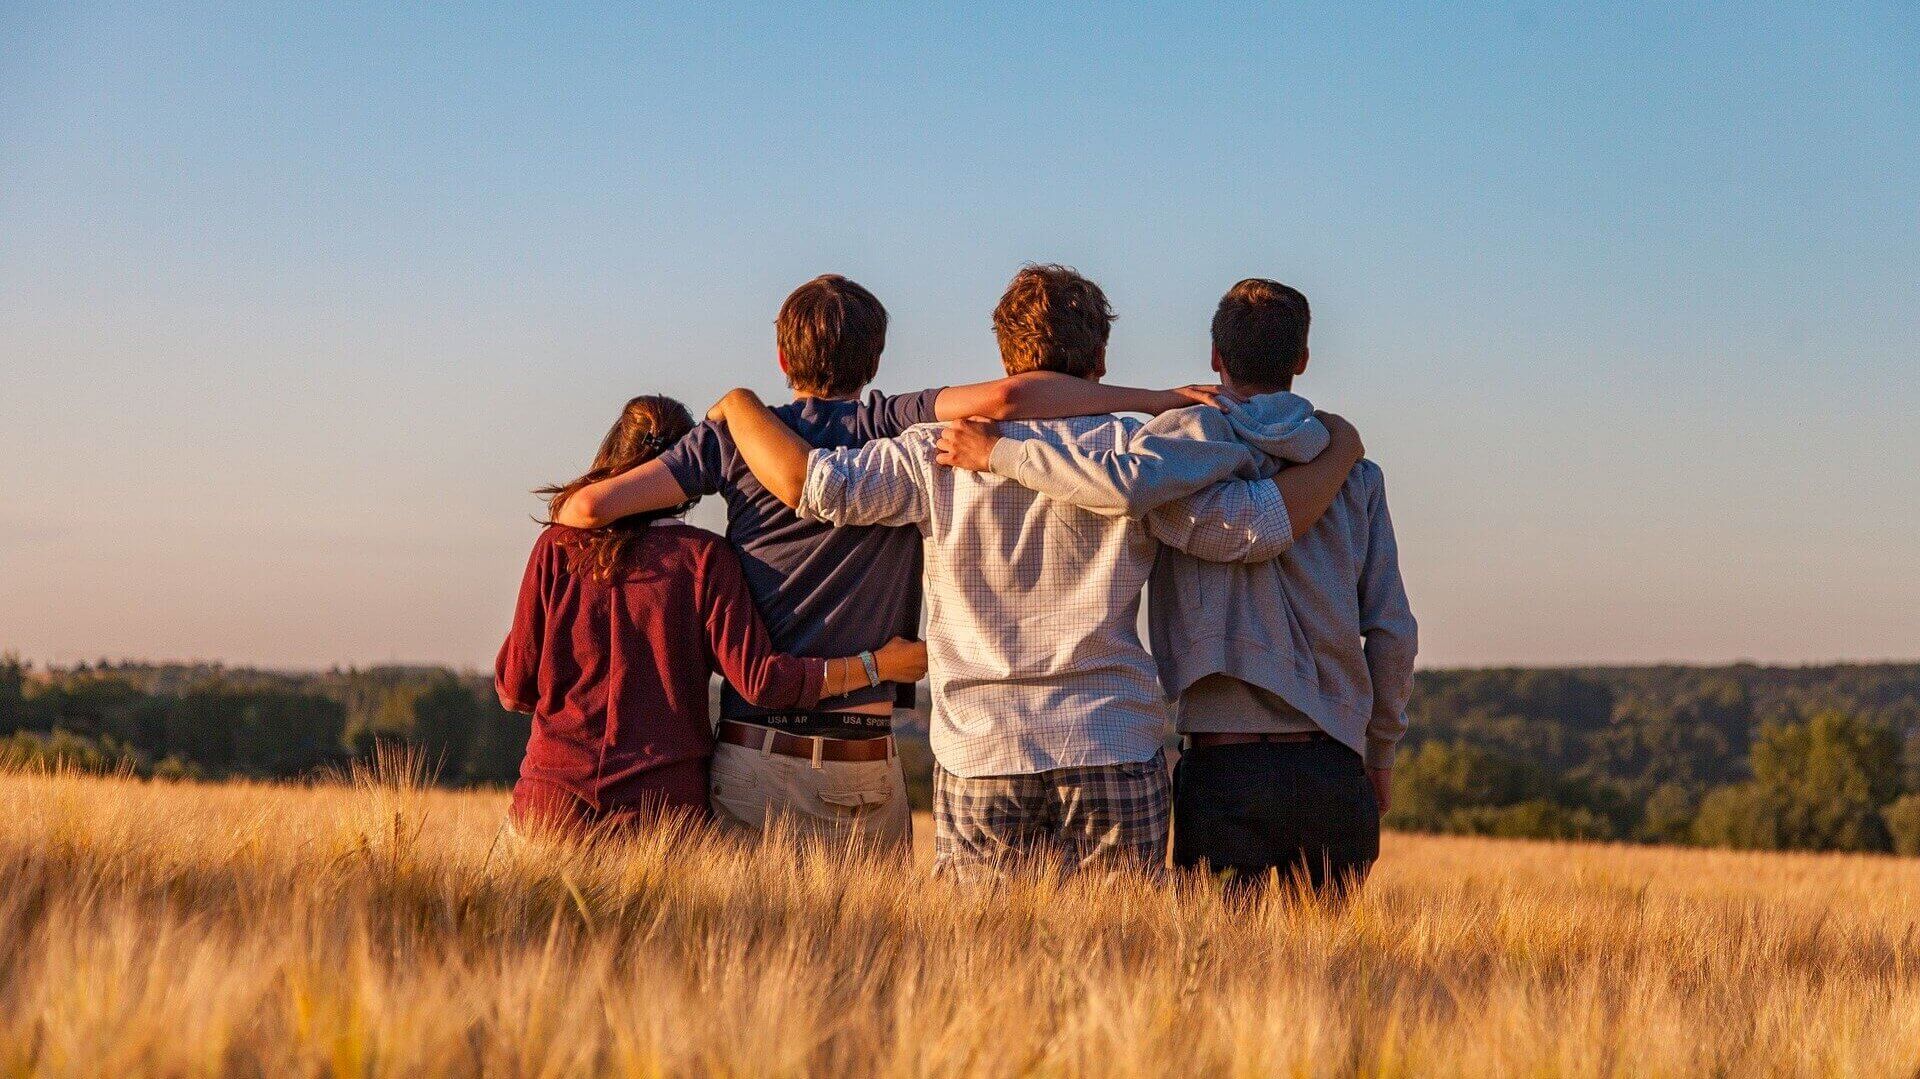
[(1050, 395), (880, 483), (775, 455), (1166, 459), (643, 489)]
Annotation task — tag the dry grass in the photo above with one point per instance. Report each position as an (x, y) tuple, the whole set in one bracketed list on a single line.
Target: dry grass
[(153, 929)]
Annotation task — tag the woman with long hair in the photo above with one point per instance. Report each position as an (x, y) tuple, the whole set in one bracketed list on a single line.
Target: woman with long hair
[(616, 632)]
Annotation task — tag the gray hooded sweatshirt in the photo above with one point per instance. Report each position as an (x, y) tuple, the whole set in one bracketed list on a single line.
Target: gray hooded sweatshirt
[(1325, 626)]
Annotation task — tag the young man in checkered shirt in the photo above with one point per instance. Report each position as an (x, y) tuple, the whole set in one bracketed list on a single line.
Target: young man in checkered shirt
[(1048, 715)]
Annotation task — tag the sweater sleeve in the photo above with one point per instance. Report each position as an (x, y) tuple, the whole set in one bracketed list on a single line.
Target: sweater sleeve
[(742, 650), (516, 672), (1387, 624)]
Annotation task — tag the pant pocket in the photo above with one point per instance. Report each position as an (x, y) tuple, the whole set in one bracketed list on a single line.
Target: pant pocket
[(737, 792), (854, 789), (867, 800), (856, 802)]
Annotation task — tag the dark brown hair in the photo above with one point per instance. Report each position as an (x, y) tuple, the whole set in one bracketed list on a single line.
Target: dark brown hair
[(1260, 332), (831, 331), (1052, 319), (646, 427)]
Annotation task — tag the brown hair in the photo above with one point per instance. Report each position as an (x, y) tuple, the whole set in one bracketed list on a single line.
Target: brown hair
[(831, 331), (1052, 319), (1260, 332), (646, 427)]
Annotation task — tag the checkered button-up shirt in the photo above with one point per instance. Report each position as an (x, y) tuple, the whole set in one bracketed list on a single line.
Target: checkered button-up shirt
[(1032, 604)]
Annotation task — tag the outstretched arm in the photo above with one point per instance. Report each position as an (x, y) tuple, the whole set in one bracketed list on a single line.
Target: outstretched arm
[(776, 456), (1171, 456), (1047, 395), (1250, 520)]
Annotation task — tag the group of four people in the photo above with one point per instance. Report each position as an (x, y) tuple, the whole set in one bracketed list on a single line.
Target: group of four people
[(1283, 643)]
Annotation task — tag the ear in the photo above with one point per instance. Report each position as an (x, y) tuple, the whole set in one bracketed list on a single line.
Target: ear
[(781, 355), (1100, 368), (1301, 367), (1215, 354)]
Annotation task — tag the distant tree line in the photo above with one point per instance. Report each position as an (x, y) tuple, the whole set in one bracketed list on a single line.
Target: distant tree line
[(213, 722), (1809, 758), (1773, 758)]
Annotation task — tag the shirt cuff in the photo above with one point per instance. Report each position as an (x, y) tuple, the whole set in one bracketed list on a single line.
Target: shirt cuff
[(1380, 752), (1273, 527), (825, 487), (1006, 457)]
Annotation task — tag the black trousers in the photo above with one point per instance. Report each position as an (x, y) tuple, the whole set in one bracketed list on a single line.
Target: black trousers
[(1304, 809)]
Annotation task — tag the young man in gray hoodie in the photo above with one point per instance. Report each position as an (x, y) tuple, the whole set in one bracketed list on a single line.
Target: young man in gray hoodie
[(1292, 675)]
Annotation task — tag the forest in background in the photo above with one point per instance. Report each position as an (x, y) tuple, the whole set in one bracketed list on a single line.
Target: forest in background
[(1811, 758)]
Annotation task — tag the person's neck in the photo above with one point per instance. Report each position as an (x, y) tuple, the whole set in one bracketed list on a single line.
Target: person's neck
[(1243, 390), (804, 395)]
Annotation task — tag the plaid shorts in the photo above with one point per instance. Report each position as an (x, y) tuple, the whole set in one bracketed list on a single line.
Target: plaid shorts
[(1101, 816)]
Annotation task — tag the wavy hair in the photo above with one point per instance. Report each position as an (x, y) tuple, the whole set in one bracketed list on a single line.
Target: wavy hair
[(646, 427), (1053, 319)]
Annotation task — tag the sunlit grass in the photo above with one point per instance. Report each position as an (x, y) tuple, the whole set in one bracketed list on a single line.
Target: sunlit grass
[(381, 927)]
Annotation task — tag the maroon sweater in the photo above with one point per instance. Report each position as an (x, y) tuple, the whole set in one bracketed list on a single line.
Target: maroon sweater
[(615, 672)]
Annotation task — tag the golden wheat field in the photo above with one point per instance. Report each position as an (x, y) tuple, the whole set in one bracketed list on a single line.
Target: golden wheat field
[(381, 928)]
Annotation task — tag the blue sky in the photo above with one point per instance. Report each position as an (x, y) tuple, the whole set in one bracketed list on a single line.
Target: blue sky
[(295, 305)]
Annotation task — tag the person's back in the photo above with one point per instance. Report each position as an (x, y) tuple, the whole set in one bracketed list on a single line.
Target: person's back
[(1032, 613), (614, 668), (1295, 626)]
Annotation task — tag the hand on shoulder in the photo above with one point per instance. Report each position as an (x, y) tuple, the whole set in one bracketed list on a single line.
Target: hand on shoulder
[(967, 444), (1200, 393), (733, 398), (1344, 437)]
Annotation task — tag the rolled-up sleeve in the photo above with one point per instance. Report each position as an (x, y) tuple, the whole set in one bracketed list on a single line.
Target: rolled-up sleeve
[(880, 483), (1241, 521)]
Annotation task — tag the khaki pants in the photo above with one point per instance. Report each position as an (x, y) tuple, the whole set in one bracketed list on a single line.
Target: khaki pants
[(862, 803)]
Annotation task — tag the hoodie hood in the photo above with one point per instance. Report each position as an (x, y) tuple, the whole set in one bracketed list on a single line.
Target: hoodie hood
[(1280, 425)]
